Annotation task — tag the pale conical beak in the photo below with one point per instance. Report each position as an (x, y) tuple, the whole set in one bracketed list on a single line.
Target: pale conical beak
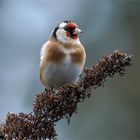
[(77, 31)]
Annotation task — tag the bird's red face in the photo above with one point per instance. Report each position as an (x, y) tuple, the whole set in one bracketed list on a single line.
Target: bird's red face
[(72, 30)]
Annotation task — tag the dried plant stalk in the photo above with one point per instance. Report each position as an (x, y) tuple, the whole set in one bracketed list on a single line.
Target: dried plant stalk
[(51, 106)]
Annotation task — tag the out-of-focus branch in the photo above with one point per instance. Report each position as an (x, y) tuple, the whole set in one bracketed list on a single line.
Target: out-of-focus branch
[(51, 106)]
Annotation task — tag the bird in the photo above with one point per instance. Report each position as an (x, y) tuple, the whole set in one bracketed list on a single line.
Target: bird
[(62, 57)]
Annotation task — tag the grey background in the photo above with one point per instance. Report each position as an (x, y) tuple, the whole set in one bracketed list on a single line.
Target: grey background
[(113, 112)]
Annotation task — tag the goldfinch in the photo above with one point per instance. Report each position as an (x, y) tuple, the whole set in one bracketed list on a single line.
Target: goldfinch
[(62, 57)]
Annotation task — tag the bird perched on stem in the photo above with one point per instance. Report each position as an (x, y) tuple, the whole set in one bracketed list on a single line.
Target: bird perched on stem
[(62, 56)]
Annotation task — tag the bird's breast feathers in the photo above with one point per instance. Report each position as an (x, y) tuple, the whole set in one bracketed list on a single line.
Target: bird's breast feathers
[(54, 52)]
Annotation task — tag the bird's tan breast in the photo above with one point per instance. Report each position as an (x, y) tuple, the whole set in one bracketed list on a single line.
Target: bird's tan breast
[(52, 53), (78, 56), (56, 52), (76, 53)]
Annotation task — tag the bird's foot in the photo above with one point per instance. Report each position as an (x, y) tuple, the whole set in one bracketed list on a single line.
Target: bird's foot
[(45, 90), (48, 90)]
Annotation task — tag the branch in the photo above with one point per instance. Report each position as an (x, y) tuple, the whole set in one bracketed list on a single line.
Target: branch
[(50, 107)]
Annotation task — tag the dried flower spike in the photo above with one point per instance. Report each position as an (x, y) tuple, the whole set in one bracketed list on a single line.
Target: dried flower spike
[(50, 107)]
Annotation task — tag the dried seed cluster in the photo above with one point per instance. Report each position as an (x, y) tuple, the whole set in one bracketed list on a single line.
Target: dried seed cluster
[(51, 106), (26, 127)]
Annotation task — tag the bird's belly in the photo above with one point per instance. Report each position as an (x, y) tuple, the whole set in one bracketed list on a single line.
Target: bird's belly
[(62, 73)]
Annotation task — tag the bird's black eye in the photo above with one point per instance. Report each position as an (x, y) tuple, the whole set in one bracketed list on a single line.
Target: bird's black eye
[(69, 29)]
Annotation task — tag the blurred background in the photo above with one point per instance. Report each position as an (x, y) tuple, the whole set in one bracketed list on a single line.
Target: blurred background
[(113, 112)]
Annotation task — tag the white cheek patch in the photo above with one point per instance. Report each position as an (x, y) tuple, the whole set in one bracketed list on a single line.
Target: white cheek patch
[(61, 36), (61, 33)]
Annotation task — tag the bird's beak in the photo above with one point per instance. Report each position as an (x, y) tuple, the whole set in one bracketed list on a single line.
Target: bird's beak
[(77, 31)]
